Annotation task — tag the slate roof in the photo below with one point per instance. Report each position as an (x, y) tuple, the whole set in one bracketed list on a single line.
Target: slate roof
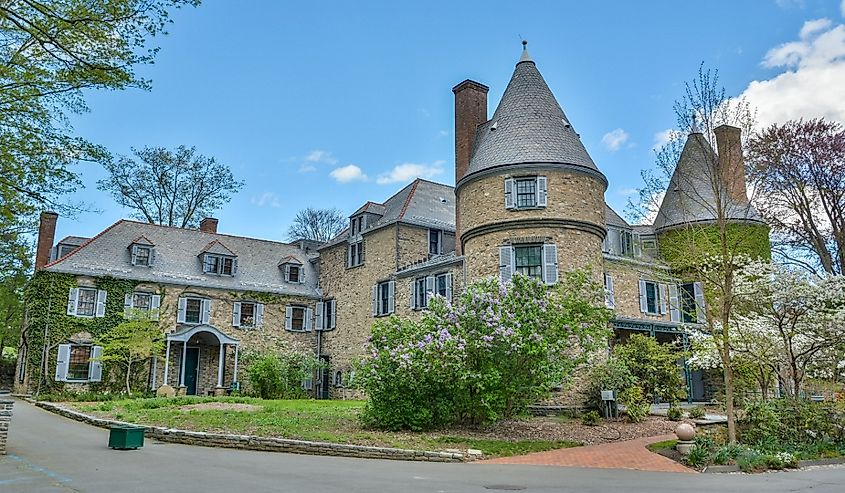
[(73, 240), (528, 126), (691, 194), (614, 219), (421, 203), (176, 260), (429, 264)]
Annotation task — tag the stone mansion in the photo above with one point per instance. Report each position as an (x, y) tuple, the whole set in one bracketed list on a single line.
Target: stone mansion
[(527, 199)]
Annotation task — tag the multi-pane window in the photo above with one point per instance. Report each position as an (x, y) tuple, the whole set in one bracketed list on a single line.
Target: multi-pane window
[(626, 242), (356, 225), (383, 298), (143, 255), (218, 264), (193, 310), (440, 283), (526, 192), (434, 241), (356, 254), (86, 303), (297, 319), (329, 313), (142, 301), (293, 274), (689, 311), (80, 363), (652, 297), (247, 317), (529, 260), (420, 295)]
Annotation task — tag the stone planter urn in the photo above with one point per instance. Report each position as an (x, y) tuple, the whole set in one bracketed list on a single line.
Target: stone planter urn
[(686, 438)]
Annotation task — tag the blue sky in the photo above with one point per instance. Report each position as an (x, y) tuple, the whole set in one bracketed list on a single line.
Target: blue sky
[(292, 95)]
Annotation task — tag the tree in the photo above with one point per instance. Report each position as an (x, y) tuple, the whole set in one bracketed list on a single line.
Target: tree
[(50, 52), (14, 271), (654, 366), (171, 188), (799, 170), (316, 224), (707, 247), (131, 342)]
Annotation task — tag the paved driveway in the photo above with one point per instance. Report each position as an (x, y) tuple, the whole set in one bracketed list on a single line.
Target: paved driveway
[(48, 453)]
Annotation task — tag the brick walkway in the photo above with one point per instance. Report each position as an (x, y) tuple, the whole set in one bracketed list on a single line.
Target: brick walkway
[(630, 454)]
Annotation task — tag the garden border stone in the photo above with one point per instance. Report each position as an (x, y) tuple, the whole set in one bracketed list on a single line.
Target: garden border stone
[(267, 444)]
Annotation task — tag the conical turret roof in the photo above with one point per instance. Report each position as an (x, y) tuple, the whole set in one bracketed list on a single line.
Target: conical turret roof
[(692, 191), (528, 126)]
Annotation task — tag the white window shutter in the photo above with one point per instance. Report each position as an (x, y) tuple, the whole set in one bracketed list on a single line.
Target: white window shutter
[(62, 362), (234, 266), (429, 288), (509, 194), (155, 306), (95, 368), (375, 300), (449, 286), (309, 316), (287, 272), (637, 245), (288, 318), (152, 256), (550, 264), (333, 311), (301, 274), (259, 314), (674, 305), (391, 296), (700, 306), (72, 297), (542, 191), (610, 297), (180, 313), (661, 299), (127, 304), (236, 314), (206, 311), (101, 303), (318, 315), (134, 254), (505, 263), (643, 297), (413, 294)]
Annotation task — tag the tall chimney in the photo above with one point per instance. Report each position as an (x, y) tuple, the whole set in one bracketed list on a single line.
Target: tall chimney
[(731, 162), (470, 112), (46, 237), (208, 225)]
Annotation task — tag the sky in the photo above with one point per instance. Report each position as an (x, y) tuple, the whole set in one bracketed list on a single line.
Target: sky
[(331, 104)]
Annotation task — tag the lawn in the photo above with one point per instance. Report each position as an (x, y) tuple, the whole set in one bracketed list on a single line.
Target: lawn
[(329, 421)]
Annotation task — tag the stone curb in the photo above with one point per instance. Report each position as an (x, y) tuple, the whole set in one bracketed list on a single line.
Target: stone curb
[(249, 442)]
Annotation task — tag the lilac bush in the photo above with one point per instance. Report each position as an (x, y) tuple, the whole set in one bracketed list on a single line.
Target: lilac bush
[(497, 349)]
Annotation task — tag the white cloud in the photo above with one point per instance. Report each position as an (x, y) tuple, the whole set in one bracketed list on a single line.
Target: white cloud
[(307, 168), (614, 139), (348, 173), (320, 156), (627, 192), (409, 171), (812, 81), (266, 199), (664, 137)]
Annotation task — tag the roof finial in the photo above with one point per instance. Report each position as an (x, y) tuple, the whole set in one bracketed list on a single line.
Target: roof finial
[(525, 56), (694, 129)]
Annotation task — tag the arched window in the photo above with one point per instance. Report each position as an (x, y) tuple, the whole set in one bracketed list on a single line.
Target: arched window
[(338, 378)]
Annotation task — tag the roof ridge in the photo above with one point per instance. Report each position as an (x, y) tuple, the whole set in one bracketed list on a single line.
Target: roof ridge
[(85, 244), (203, 232), (408, 199)]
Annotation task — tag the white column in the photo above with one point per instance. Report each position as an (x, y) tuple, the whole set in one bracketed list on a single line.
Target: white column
[(184, 355), (155, 371), (235, 376), (220, 365), (167, 362)]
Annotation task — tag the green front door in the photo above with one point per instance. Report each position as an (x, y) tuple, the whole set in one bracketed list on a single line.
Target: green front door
[(192, 360)]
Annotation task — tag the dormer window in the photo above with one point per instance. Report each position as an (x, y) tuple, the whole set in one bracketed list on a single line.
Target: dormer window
[(218, 264), (293, 269), (356, 225), (142, 252)]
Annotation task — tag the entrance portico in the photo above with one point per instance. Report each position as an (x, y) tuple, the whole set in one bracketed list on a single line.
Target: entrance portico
[(196, 345)]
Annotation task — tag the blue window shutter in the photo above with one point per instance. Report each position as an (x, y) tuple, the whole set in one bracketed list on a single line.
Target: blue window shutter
[(72, 297), (674, 304), (288, 317), (95, 368), (101, 303), (180, 313), (449, 286), (391, 296), (542, 191), (505, 263), (309, 316), (375, 300), (134, 254), (155, 306), (127, 304), (609, 296), (333, 311), (550, 264), (661, 299), (206, 311), (62, 362), (259, 314), (643, 297), (236, 314), (413, 294), (318, 315), (429, 288), (510, 202), (152, 256), (287, 272)]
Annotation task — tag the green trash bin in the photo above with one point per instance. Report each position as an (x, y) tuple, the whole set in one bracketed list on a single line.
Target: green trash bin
[(126, 437)]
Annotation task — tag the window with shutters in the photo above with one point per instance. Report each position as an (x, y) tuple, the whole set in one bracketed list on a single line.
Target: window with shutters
[(441, 283), (356, 254), (294, 273), (142, 301), (297, 318), (420, 293), (247, 315), (383, 300), (329, 314), (529, 260), (79, 364), (193, 310), (86, 302), (652, 297), (143, 256), (526, 192), (218, 264), (435, 240), (689, 311), (626, 242)]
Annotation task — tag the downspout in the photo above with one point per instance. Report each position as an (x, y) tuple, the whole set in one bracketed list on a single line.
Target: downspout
[(319, 359)]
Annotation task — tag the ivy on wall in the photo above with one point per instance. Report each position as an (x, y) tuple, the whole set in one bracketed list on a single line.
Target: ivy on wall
[(684, 249), (46, 298)]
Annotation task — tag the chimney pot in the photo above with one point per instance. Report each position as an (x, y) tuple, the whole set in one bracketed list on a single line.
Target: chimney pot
[(46, 237), (208, 225)]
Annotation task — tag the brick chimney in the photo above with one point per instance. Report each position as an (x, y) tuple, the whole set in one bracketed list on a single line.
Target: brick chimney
[(731, 162), (470, 112), (208, 225), (46, 237)]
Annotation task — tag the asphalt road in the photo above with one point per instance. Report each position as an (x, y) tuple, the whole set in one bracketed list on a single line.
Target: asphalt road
[(48, 453)]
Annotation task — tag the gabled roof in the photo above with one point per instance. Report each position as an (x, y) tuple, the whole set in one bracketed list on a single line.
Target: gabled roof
[(218, 248), (528, 126), (693, 188), (614, 219), (176, 259), (290, 259), (142, 240), (371, 207)]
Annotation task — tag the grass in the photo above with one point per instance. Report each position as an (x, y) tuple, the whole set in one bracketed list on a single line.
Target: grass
[(658, 446), (328, 421)]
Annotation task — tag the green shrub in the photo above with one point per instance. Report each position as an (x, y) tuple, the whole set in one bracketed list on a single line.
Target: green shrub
[(612, 374), (751, 460), (675, 413), (655, 367), (591, 418), (789, 424), (278, 374), (727, 453), (698, 457), (697, 412), (637, 407)]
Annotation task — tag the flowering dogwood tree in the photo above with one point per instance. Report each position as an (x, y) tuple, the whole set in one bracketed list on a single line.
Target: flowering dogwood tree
[(497, 349)]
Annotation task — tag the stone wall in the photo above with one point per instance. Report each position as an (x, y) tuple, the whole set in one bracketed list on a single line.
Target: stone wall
[(404, 283), (626, 288), (5, 422)]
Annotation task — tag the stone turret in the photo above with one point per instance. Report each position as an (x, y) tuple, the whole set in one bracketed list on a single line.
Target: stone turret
[(530, 188)]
